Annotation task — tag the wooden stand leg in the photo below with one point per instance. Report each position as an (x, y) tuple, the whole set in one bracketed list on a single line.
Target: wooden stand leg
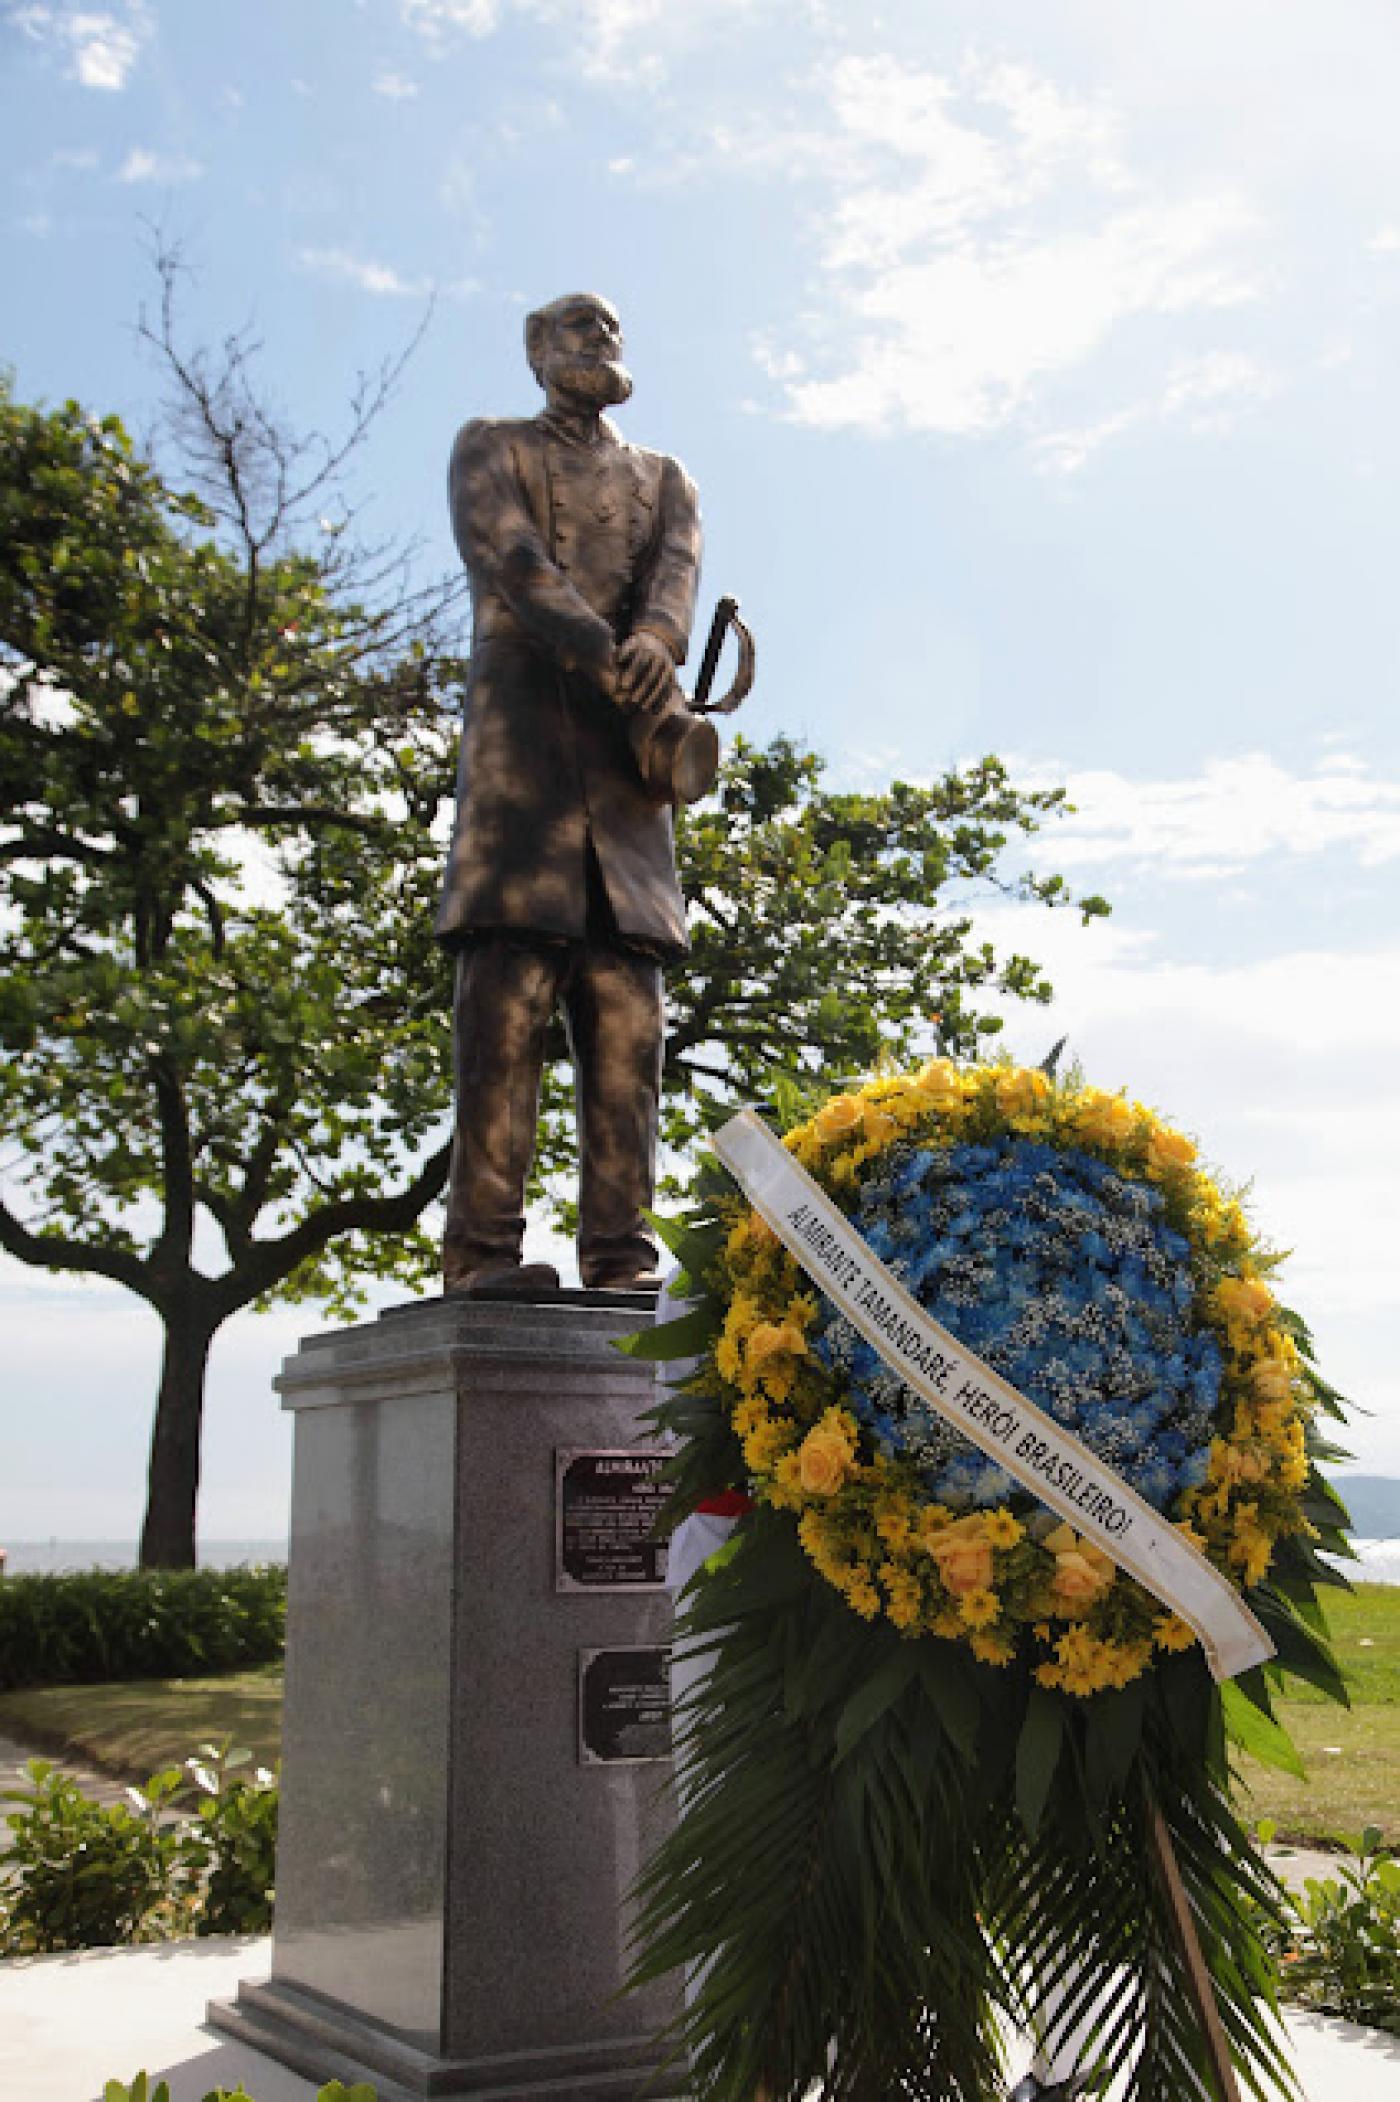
[(1198, 1977)]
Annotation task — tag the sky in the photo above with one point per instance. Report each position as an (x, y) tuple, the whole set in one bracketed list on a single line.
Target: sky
[(1035, 363)]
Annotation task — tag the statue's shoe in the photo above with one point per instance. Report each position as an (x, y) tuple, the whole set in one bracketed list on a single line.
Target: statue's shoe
[(502, 1281), (624, 1280)]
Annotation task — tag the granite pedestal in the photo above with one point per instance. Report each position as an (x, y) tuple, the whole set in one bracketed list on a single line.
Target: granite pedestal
[(451, 1912)]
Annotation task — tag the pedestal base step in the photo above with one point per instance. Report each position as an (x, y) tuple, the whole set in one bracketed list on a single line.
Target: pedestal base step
[(324, 2041)]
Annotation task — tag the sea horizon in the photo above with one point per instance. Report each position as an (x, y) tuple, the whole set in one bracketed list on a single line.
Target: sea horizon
[(50, 1557), (1378, 1560)]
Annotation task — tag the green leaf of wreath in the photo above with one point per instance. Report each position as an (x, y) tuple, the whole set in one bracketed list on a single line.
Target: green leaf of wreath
[(870, 1701), (1112, 1737), (683, 1338), (954, 1698), (1299, 1651), (1037, 1756), (694, 1246), (1258, 1734)]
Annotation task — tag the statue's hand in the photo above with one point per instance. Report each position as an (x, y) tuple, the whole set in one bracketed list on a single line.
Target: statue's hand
[(645, 673)]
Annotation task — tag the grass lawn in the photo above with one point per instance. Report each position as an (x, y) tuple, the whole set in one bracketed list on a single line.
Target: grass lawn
[(1352, 1755), (134, 1729)]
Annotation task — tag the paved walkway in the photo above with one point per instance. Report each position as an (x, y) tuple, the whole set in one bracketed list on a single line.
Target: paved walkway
[(70, 2023)]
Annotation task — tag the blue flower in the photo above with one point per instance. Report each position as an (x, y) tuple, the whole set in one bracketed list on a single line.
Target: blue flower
[(1062, 1275)]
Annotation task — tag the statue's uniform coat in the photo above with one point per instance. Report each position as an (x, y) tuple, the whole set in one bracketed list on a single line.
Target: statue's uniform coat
[(568, 548)]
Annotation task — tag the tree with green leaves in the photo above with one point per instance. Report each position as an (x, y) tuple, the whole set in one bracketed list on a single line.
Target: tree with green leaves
[(832, 930), (224, 742), (227, 735)]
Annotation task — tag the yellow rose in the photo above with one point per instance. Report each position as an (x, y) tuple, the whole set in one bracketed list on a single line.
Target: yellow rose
[(824, 1459), (1169, 1151), (1022, 1094), (1104, 1120), (838, 1116), (1246, 1299), (880, 1127), (964, 1556), (773, 1339), (1272, 1380), (938, 1083), (1078, 1581)]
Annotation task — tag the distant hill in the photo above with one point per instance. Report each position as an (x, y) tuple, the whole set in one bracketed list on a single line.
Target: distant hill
[(1374, 1503)]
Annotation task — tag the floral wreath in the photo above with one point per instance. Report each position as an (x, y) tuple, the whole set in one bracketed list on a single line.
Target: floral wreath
[(1070, 1238)]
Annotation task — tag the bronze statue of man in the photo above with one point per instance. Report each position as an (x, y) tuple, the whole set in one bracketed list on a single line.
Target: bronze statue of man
[(583, 553)]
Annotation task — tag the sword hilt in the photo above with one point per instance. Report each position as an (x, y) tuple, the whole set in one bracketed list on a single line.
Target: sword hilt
[(726, 617)]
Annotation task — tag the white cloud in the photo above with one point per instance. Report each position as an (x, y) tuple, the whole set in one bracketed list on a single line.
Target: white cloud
[(1205, 395), (610, 41), (980, 233), (395, 87), (364, 272), (1385, 241), (100, 46), (436, 19), (142, 165), (1232, 815)]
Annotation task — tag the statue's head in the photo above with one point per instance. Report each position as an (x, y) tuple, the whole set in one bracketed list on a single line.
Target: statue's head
[(575, 350)]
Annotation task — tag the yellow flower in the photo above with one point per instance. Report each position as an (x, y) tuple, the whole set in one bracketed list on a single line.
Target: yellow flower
[(1077, 1581), (838, 1116), (1003, 1530), (991, 1649), (773, 1339), (939, 1085), (980, 1608), (1246, 1300), (785, 1489), (906, 1595), (727, 1359), (1272, 1379), (963, 1554), (881, 1129), (763, 1445), (826, 1453), (1104, 1120), (1173, 1633), (1022, 1096), (1168, 1151), (893, 1521), (1082, 1571)]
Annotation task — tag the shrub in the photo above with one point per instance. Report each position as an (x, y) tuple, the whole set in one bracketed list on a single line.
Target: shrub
[(140, 2090), (81, 1874), (1343, 1956), (97, 1624), (232, 1846)]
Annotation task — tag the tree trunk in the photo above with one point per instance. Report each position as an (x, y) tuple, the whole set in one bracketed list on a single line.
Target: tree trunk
[(167, 1537)]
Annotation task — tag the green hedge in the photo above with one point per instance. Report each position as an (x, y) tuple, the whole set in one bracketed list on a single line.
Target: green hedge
[(102, 1624)]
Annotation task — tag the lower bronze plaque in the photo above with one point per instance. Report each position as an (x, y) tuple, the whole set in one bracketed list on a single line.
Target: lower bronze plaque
[(624, 1706), (605, 1506)]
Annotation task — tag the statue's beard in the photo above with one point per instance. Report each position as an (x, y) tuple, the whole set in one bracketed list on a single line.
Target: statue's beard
[(600, 382)]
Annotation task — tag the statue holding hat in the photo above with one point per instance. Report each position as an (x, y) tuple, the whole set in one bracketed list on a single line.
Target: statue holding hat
[(583, 552)]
